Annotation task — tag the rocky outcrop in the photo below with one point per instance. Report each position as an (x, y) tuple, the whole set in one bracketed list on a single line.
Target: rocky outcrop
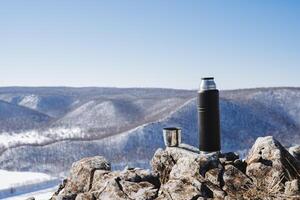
[(91, 178), (268, 172), (270, 162)]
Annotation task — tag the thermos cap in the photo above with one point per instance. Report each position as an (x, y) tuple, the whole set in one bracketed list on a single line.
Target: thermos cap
[(207, 83)]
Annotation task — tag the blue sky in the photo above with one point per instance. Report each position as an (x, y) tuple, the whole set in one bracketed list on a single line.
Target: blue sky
[(140, 43)]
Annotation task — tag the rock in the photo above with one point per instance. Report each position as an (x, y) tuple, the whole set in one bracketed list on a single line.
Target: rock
[(162, 163), (101, 177), (164, 160), (139, 191), (189, 168), (64, 197), (228, 158), (292, 187), (183, 189), (269, 162), (295, 151), (82, 174), (258, 170), (269, 172), (128, 184), (112, 190), (30, 198), (140, 175), (214, 176), (119, 189), (218, 193), (207, 163), (235, 181), (185, 167), (84, 196), (183, 179)]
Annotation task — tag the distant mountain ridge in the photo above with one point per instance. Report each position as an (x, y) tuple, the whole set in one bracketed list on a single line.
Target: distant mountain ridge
[(81, 113), (63, 103), (245, 115), (16, 118)]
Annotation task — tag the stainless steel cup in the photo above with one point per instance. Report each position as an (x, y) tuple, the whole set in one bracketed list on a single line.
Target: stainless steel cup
[(172, 136)]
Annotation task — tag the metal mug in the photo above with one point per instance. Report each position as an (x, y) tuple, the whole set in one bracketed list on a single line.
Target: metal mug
[(172, 136)]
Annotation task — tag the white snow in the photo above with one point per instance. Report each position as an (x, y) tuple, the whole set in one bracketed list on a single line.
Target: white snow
[(30, 101), (29, 137), (38, 195), (12, 179), (13, 139), (14, 184)]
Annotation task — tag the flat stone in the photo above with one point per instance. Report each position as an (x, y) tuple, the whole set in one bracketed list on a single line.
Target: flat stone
[(234, 180)]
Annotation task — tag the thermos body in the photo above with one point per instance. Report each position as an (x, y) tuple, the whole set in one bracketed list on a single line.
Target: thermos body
[(209, 117)]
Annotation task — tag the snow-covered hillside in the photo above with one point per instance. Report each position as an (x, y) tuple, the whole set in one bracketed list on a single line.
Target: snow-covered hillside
[(245, 115), (78, 113), (104, 117), (18, 118)]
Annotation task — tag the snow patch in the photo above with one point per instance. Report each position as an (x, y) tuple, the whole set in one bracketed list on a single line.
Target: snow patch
[(14, 183), (44, 194), (30, 101), (35, 137)]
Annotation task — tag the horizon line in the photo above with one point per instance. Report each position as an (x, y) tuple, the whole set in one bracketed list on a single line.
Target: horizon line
[(117, 87)]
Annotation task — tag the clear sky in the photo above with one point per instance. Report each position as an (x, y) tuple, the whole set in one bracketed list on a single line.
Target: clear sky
[(138, 43)]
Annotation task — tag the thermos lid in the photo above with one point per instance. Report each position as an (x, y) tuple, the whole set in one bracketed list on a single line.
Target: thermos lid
[(207, 83)]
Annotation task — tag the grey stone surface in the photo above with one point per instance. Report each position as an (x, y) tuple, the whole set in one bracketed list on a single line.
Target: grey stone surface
[(269, 172)]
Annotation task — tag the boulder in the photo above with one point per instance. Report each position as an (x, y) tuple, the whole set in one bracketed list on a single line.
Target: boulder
[(128, 184), (270, 165), (164, 160), (184, 178), (269, 172), (82, 174), (235, 182), (81, 177)]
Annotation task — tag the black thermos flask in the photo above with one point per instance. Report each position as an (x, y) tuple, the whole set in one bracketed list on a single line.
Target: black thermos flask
[(209, 116)]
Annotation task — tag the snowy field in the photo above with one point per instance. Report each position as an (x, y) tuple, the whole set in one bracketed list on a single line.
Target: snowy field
[(21, 185), (38, 195)]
